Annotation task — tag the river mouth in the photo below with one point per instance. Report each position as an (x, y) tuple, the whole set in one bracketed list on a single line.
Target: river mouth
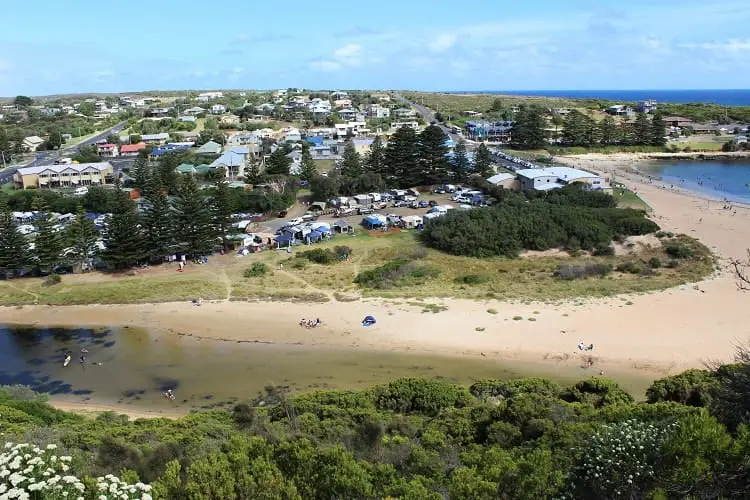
[(133, 367)]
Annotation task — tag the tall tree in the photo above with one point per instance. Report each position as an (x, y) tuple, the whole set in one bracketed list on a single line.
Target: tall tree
[(253, 172), (351, 162), (278, 163), (573, 128), (658, 131), (193, 219), (158, 223), (460, 162), (167, 167), (48, 243), (375, 162), (608, 131), (433, 155), (402, 158), (641, 129), (483, 161), (140, 173), (23, 101), (123, 238), (308, 170), (82, 237), (528, 130), (221, 211), (13, 245)]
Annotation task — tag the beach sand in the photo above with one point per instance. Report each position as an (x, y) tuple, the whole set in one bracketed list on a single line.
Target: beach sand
[(659, 333)]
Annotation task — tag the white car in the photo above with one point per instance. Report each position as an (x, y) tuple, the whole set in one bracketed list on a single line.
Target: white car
[(296, 221)]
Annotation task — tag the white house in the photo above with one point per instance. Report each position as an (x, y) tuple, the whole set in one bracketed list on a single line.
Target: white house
[(32, 142), (218, 109), (378, 111), (544, 179), (208, 96)]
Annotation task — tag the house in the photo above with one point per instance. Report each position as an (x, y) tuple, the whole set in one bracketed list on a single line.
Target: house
[(620, 110), (107, 149), (209, 96), (71, 175), (397, 125), (265, 133), (378, 111), (233, 161), (218, 109), (353, 128), (186, 168), (209, 148), (168, 148), (158, 112), (160, 138), (293, 135), (32, 142), (647, 106), (499, 131), (348, 114), (230, 120), (187, 118), (544, 179), (132, 149), (243, 139), (507, 181), (195, 110), (342, 103), (322, 108), (186, 136), (404, 113), (362, 145), (296, 167), (338, 94), (677, 121)]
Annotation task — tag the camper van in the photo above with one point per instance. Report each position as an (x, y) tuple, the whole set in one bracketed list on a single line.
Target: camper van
[(81, 191)]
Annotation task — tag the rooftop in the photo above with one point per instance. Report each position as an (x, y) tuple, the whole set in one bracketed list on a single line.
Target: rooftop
[(564, 173), (75, 167)]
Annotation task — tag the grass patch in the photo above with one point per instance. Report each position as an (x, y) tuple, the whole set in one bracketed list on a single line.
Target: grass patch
[(492, 311), (517, 318), (400, 272), (628, 199), (341, 297)]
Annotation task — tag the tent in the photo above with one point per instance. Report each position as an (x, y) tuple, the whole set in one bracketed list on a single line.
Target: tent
[(373, 221), (284, 240), (314, 237), (368, 321)]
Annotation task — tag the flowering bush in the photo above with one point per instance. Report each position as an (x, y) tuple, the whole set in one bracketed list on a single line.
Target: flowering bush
[(30, 472), (619, 459)]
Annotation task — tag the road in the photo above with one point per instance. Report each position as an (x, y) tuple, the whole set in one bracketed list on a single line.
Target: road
[(46, 157)]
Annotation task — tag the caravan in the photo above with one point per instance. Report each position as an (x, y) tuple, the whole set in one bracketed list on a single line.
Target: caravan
[(81, 191)]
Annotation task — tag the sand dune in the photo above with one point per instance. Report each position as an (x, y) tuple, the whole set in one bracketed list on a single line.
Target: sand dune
[(662, 332)]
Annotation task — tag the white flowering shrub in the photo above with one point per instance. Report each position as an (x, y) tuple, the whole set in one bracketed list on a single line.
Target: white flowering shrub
[(618, 461), (30, 472)]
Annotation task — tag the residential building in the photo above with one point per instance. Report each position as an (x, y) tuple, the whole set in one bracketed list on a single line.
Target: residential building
[(132, 149), (160, 138), (339, 95), (158, 112), (218, 109), (195, 110), (342, 103), (187, 118), (233, 161), (265, 133), (243, 139), (293, 135), (362, 145), (32, 142), (489, 131), (168, 148), (229, 120), (209, 148), (507, 181), (647, 106), (544, 179), (378, 111), (677, 121), (55, 176), (350, 129), (209, 96), (107, 149), (348, 114), (397, 125), (381, 97), (322, 108), (186, 136), (620, 110), (404, 113)]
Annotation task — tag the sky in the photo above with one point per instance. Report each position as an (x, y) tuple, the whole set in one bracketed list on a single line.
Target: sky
[(54, 47)]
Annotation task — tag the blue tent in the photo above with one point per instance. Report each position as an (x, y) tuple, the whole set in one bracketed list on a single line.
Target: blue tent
[(315, 236), (371, 222), (368, 321), (284, 239)]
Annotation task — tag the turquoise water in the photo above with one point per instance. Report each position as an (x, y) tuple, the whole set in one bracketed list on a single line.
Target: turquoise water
[(724, 97), (716, 179)]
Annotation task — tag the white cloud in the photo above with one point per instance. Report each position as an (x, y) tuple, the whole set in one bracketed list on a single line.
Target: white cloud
[(326, 66), (348, 56), (443, 42)]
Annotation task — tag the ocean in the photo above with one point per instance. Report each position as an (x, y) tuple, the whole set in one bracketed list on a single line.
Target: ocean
[(718, 179), (724, 97)]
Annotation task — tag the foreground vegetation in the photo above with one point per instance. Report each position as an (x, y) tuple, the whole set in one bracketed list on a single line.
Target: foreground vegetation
[(419, 439)]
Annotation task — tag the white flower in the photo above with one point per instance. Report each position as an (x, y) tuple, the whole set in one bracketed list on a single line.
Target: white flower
[(51, 446)]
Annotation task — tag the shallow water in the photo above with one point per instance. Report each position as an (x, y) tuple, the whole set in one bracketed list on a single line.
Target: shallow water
[(131, 366), (717, 179)]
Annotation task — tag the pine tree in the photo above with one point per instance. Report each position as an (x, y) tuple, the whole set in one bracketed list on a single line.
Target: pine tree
[(658, 131), (573, 128), (483, 161), (123, 238), (278, 163), (159, 225), (48, 243), (528, 130), (221, 211), (460, 162), (253, 173), (167, 168), (193, 219), (82, 237), (433, 156), (308, 170), (13, 245), (375, 160), (608, 131), (140, 173), (642, 129), (402, 158), (351, 162)]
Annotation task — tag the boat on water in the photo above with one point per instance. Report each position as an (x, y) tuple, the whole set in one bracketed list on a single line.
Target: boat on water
[(67, 360)]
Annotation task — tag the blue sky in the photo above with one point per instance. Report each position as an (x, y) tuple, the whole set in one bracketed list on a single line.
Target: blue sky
[(51, 47)]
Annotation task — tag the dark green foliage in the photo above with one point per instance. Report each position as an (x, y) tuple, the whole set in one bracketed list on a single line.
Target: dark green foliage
[(193, 218), (123, 238), (99, 200), (691, 387), (81, 236), (471, 279), (597, 392), (159, 229), (320, 256), (86, 154), (402, 159), (375, 161), (511, 388), (351, 162), (414, 395), (433, 161), (570, 218), (582, 271), (678, 250), (308, 169), (654, 262), (399, 272), (483, 161), (13, 245), (222, 208), (629, 268), (529, 128), (278, 163), (635, 226), (257, 270)]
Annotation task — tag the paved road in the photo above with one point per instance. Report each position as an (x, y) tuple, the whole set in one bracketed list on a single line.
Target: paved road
[(46, 157), (429, 117)]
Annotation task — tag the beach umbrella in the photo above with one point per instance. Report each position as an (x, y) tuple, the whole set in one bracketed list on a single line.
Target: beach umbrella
[(369, 320)]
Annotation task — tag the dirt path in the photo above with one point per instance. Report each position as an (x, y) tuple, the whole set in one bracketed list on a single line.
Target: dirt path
[(307, 284)]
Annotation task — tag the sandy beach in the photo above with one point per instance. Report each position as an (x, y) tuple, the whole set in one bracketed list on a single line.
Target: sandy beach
[(659, 333)]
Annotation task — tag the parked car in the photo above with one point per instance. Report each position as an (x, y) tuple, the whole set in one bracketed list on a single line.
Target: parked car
[(296, 221), (309, 217), (282, 214), (423, 204), (364, 210), (379, 205), (438, 191), (399, 203), (432, 203)]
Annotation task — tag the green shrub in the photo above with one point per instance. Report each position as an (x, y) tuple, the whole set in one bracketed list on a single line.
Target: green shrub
[(52, 279), (257, 270), (678, 250), (418, 395), (320, 256), (343, 251), (471, 279), (629, 267), (636, 226), (654, 262), (399, 272), (604, 251)]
